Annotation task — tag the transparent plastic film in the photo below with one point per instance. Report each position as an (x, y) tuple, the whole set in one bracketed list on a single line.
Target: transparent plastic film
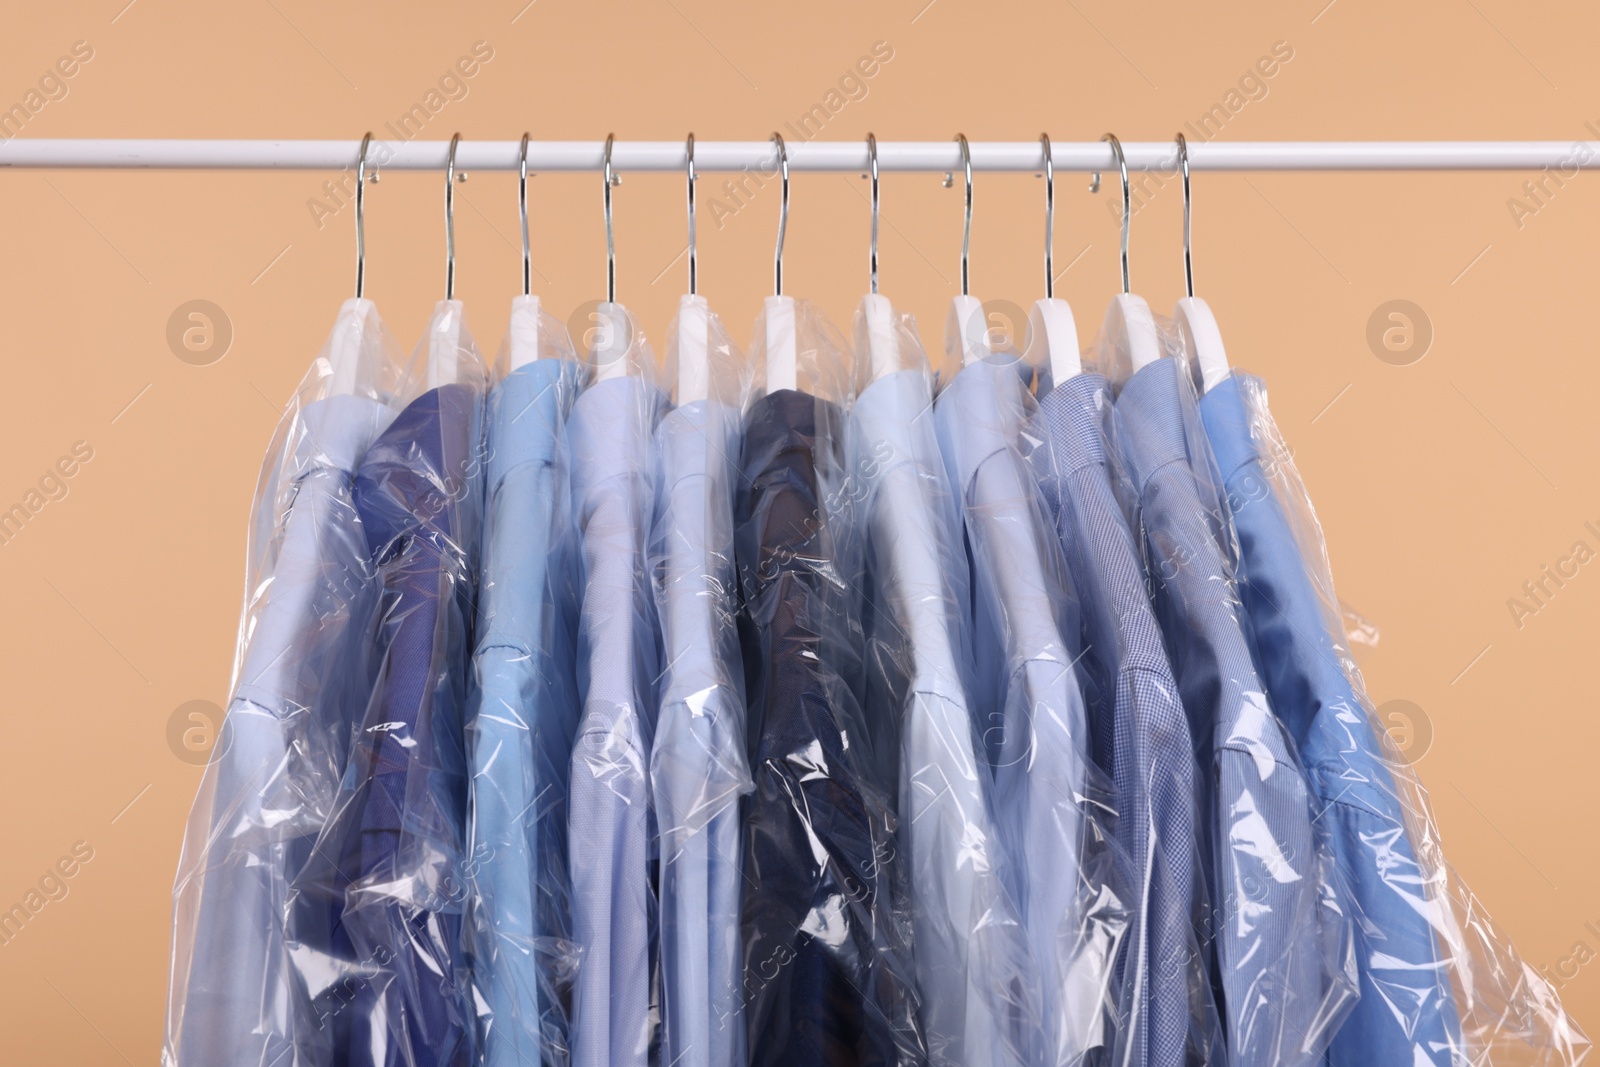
[(828, 974), (612, 836), (1054, 807), (795, 348), (298, 687), (378, 914), (524, 705), (1440, 983), (699, 767), (1277, 932), (973, 964)]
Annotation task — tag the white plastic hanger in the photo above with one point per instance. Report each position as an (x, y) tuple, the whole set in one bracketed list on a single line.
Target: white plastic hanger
[(967, 325), (444, 331), (444, 344), (883, 340), (1052, 331), (1128, 319), (694, 368), (356, 317), (524, 308), (779, 315), (612, 335), (357, 314), (1198, 326), (694, 318)]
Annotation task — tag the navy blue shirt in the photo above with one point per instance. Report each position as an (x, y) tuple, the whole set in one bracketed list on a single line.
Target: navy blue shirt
[(827, 978), (390, 860)]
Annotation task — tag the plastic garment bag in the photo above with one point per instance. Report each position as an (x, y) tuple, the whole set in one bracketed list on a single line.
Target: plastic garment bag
[(1440, 984), (1052, 803), (379, 910), (698, 765), (611, 823), (1140, 727), (973, 966), (1278, 931), (524, 707), (828, 975), (299, 683)]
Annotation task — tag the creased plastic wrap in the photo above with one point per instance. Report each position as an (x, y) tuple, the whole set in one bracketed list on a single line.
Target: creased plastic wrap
[(524, 706), (1053, 804), (828, 975), (1440, 984), (612, 842), (699, 768), (377, 916), (299, 684), (974, 970), (1278, 933)]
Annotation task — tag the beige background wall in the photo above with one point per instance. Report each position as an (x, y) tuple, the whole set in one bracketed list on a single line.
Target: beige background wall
[(1444, 484)]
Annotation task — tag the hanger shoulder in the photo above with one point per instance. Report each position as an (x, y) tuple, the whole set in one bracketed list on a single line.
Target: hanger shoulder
[(967, 329), (344, 349), (782, 357), (444, 344), (1203, 338), (879, 334), (1132, 327), (524, 330), (1053, 339), (694, 357)]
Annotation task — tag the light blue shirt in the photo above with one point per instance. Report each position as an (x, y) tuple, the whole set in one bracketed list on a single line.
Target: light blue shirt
[(521, 726), (970, 946), (698, 765), (1142, 734), (1278, 923), (1051, 803), (611, 823), (276, 767)]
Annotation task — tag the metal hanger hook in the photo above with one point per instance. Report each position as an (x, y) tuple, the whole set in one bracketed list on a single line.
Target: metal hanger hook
[(611, 248), (1049, 218), (1127, 203), (1188, 204), (783, 212), (966, 229), (522, 214), (872, 248), (450, 220), (361, 215), (693, 262)]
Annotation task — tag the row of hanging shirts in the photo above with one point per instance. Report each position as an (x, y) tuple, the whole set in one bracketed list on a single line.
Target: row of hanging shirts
[(810, 708)]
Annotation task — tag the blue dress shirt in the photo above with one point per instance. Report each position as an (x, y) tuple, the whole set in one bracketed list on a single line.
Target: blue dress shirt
[(391, 860), (827, 977), (971, 952), (1051, 803), (611, 822), (275, 774), (1141, 729), (1406, 1013), (698, 765), (524, 714), (1272, 903)]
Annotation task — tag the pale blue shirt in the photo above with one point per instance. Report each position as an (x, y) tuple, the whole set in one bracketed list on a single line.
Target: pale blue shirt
[(1051, 803), (521, 726), (611, 822), (698, 765), (969, 944), (274, 773)]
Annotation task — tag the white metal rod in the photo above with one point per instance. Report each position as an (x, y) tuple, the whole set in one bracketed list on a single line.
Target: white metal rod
[(723, 156)]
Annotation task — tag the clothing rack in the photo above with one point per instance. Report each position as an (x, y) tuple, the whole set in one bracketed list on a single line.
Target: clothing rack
[(846, 156)]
